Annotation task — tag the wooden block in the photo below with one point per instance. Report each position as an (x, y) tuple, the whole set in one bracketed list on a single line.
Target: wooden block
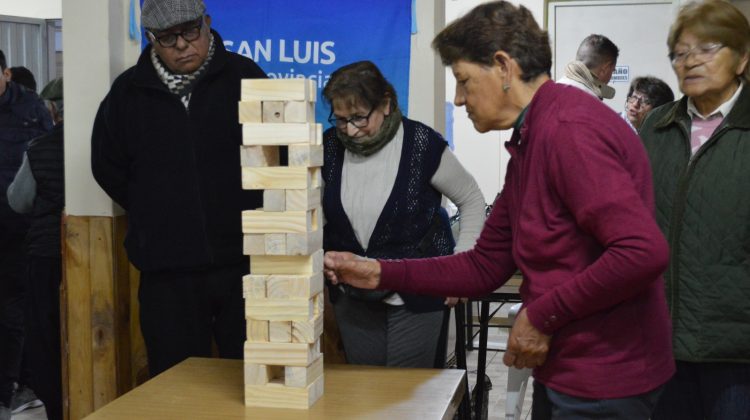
[(302, 199), (318, 133), (287, 264), (274, 200), (257, 331), (269, 134), (318, 303), (307, 331), (278, 90), (280, 331), (275, 243), (254, 244), (280, 177), (254, 287), (257, 374), (281, 354), (297, 309), (280, 286), (257, 221), (301, 377), (273, 112), (312, 88), (250, 112), (304, 243), (255, 156), (306, 155), (299, 112), (280, 396)]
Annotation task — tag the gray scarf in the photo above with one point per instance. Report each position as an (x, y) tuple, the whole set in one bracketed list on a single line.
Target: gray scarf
[(576, 70), (369, 146), (182, 84)]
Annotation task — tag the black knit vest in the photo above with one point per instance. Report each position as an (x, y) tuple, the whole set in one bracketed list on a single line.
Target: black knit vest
[(409, 215)]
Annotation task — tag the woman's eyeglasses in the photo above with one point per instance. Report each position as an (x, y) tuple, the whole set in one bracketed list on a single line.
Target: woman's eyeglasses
[(358, 121), (702, 53)]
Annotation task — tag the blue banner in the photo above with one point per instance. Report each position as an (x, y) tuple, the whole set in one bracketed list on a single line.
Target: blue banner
[(311, 39)]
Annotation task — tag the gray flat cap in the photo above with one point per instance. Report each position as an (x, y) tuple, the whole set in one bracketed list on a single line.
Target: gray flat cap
[(158, 15)]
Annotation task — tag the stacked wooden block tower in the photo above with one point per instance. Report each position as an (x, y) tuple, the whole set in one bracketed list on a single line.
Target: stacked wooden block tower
[(284, 290)]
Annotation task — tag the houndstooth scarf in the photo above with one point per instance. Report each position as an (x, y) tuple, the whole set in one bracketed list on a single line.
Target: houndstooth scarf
[(182, 84)]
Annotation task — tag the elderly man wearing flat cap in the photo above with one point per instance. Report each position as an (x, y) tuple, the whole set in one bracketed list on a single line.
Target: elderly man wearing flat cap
[(165, 147)]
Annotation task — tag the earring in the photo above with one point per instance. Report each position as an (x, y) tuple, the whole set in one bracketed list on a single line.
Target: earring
[(506, 87)]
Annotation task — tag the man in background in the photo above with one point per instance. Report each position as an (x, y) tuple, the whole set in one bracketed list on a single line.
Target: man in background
[(592, 69), (22, 118), (39, 190)]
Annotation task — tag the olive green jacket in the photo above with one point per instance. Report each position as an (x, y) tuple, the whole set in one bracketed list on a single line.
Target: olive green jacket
[(703, 207)]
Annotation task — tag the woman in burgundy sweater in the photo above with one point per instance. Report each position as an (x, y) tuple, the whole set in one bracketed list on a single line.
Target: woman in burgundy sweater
[(576, 216)]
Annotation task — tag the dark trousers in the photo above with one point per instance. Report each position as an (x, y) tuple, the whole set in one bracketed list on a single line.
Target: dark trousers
[(375, 333), (182, 311), (12, 310), (713, 391), (549, 404), (42, 347)]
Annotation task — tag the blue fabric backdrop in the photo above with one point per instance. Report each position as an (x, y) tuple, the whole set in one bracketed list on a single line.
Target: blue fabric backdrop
[(303, 38)]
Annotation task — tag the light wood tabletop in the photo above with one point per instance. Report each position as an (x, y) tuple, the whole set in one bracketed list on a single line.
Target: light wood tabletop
[(213, 389)]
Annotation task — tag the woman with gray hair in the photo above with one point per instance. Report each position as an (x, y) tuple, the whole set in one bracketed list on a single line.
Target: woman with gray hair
[(700, 157), (575, 216)]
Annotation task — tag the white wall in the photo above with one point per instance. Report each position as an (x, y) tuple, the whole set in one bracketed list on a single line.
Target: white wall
[(95, 50), (426, 84), (483, 155), (41, 9)]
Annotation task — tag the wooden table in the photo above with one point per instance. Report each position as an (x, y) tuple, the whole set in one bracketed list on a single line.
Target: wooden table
[(213, 389)]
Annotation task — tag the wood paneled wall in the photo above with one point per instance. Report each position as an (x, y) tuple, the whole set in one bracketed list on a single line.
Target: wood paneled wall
[(103, 352)]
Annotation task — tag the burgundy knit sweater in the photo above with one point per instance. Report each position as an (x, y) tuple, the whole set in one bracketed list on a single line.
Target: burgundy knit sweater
[(576, 216)]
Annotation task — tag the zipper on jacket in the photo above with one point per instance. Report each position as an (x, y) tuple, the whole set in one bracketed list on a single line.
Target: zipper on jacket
[(680, 200)]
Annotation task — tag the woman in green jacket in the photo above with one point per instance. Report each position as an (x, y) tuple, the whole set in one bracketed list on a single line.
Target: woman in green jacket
[(699, 148)]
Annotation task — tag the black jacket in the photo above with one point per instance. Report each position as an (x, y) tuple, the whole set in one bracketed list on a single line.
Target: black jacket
[(176, 171), (23, 116), (46, 161)]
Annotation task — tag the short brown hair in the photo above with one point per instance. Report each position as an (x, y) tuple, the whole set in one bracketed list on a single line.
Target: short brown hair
[(495, 26), (359, 83), (714, 20)]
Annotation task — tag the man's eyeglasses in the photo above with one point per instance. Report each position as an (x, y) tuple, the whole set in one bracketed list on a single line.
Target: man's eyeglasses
[(702, 53), (638, 100), (358, 121), (169, 39)]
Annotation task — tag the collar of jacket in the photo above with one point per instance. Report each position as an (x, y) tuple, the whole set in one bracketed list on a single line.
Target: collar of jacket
[(145, 74), (738, 117)]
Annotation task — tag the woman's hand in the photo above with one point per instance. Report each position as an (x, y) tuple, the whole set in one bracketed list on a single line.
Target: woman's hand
[(527, 346), (345, 267)]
